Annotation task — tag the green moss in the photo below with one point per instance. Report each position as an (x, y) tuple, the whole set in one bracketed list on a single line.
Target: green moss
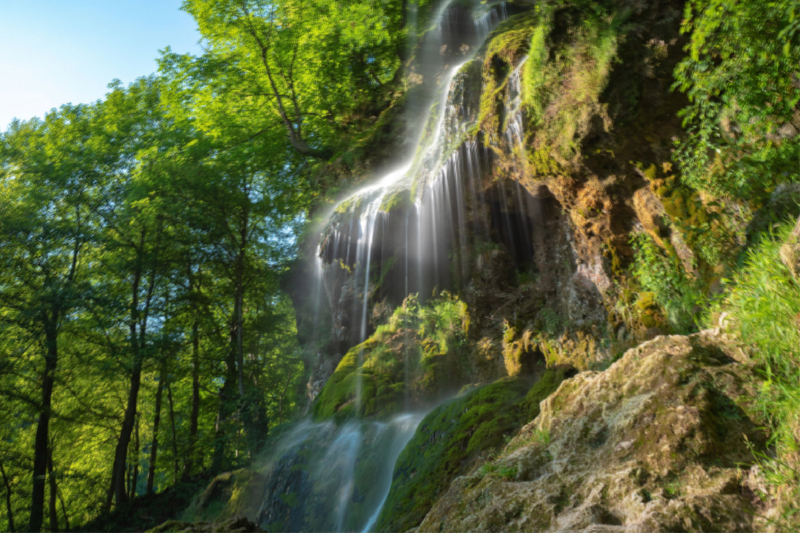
[(230, 494), (543, 388), (398, 201), (419, 352), (452, 438)]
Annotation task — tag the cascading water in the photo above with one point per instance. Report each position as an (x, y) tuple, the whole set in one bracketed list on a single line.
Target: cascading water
[(336, 478)]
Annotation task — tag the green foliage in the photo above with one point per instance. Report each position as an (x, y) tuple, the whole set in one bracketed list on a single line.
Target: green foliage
[(135, 250), (312, 69), (740, 77), (663, 277), (564, 76), (764, 307)]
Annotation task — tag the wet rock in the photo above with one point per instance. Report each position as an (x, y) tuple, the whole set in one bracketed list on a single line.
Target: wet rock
[(658, 442), (237, 524), (456, 436), (232, 494)]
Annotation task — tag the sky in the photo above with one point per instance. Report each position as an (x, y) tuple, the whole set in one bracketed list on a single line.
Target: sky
[(54, 52)]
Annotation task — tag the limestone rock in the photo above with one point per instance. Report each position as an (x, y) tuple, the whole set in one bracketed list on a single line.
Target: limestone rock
[(658, 442)]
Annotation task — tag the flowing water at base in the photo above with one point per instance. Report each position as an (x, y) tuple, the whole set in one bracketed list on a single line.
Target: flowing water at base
[(334, 478)]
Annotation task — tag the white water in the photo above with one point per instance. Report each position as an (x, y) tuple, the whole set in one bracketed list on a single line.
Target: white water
[(349, 470), (444, 171)]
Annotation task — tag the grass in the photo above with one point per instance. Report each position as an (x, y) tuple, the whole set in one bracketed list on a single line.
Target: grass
[(764, 306)]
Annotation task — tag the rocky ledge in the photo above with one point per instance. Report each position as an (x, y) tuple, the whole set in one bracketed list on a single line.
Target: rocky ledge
[(663, 440)]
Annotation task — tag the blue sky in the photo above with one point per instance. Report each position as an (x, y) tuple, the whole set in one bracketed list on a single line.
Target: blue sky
[(54, 52)]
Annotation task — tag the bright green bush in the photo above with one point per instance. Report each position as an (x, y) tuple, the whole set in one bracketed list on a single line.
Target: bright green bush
[(764, 305), (663, 277)]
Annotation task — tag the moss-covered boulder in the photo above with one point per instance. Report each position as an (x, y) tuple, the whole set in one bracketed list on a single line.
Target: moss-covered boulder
[(236, 524), (661, 441), (419, 355), (232, 494), (454, 437)]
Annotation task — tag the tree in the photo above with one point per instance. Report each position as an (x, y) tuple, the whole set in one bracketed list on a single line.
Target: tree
[(743, 81), (309, 67), (47, 167)]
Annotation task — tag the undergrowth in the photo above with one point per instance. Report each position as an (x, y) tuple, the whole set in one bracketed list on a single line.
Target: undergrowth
[(662, 278), (764, 305)]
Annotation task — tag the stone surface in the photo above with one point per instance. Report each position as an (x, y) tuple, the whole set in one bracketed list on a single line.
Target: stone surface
[(229, 495), (658, 442), (235, 524)]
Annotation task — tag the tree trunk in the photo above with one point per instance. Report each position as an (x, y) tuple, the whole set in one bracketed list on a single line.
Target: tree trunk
[(174, 435), (8, 499), (110, 494), (195, 416), (125, 434), (135, 460), (64, 512), (151, 471), (238, 310), (52, 479), (41, 446), (227, 407)]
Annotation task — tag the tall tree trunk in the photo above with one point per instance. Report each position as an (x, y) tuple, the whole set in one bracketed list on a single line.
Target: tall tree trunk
[(64, 512), (151, 471), (174, 435), (138, 343), (52, 479), (41, 446), (121, 453), (125, 433), (239, 327), (8, 499), (135, 460), (110, 494), (227, 407), (195, 416)]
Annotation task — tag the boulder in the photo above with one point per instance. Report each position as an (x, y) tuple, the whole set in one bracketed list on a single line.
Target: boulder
[(661, 441)]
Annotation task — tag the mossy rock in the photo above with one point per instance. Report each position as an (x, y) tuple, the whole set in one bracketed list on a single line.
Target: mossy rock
[(660, 441), (231, 494), (417, 356), (454, 437), (238, 523)]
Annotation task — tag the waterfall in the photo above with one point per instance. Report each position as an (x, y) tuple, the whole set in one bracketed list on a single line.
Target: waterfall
[(313, 482), (337, 478)]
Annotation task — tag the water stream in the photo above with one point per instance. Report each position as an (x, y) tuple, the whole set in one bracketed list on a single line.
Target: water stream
[(329, 477)]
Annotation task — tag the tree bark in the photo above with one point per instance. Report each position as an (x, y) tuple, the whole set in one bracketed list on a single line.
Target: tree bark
[(174, 435), (195, 416), (64, 512), (135, 460), (227, 403), (52, 479), (151, 471), (41, 446), (121, 453), (8, 499)]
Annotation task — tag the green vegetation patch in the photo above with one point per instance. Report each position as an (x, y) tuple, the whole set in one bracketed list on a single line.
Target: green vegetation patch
[(454, 437), (418, 354), (764, 304)]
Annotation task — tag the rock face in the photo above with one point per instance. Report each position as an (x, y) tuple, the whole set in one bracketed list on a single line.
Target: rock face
[(658, 442), (238, 524), (229, 495)]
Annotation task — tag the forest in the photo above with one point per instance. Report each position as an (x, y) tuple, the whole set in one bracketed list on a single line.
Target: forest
[(178, 291)]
